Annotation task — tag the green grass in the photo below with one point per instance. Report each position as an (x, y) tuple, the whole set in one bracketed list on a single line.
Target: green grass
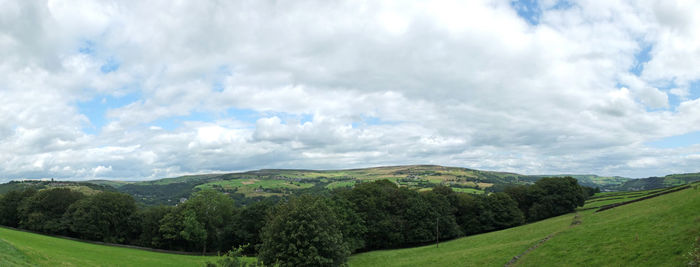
[(653, 232), (26, 249), (468, 190), (340, 184), (490, 249), (10, 256)]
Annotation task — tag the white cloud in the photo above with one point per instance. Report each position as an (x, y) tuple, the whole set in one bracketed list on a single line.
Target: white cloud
[(339, 85)]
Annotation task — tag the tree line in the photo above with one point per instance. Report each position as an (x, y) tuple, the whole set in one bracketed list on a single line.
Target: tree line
[(319, 229)]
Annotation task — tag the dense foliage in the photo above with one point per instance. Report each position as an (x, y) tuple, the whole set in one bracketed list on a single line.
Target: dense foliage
[(304, 231), (319, 229)]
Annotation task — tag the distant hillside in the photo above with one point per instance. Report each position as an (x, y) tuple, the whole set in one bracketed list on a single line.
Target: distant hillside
[(83, 187), (605, 183), (658, 182), (280, 182), (248, 186)]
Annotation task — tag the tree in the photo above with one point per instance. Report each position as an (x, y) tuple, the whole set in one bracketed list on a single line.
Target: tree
[(441, 200), (9, 204), (106, 216), (248, 224), (555, 196), (192, 230), (44, 210), (303, 231), (351, 224), (380, 204), (501, 211), (150, 218), (214, 211), (207, 209)]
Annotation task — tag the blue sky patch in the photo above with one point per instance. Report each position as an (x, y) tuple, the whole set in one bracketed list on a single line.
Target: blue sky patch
[(87, 47), (96, 109), (110, 66), (528, 10), (244, 115), (677, 141), (640, 58)]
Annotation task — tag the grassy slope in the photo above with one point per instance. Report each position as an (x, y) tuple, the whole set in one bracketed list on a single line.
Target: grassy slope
[(653, 232), (25, 249), (490, 249), (10, 256)]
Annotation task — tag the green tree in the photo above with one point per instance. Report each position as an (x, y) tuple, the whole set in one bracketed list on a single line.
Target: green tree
[(555, 196), (500, 211), (44, 210), (192, 230), (249, 222), (380, 204), (150, 218), (106, 216), (9, 206), (212, 211), (304, 231)]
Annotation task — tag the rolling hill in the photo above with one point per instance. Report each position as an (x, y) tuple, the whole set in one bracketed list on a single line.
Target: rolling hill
[(246, 187), (19, 248), (659, 231)]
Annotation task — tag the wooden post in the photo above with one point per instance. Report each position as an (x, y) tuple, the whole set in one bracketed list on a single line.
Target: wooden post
[(437, 231)]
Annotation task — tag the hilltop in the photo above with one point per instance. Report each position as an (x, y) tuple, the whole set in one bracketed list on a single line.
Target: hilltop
[(251, 185)]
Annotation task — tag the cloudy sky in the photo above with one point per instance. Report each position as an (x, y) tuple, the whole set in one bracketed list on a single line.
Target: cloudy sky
[(136, 90)]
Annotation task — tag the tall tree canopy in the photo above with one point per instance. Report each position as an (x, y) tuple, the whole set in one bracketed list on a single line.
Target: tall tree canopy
[(304, 231)]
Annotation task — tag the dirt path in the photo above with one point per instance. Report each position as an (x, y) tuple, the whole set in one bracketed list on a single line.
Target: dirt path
[(576, 221)]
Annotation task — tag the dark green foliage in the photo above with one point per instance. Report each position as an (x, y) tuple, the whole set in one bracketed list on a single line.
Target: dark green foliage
[(479, 213), (233, 258), (44, 210), (548, 197), (9, 204), (500, 212), (160, 194), (150, 218), (558, 196), (106, 216), (304, 231), (248, 223), (351, 224), (379, 205), (590, 191), (468, 210), (201, 223), (396, 217), (441, 201)]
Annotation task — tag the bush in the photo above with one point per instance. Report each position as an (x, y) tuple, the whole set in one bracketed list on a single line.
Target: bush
[(233, 258)]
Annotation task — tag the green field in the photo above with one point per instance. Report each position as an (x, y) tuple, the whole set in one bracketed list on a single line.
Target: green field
[(655, 232), (490, 249), (652, 232), (255, 187), (607, 198), (26, 249), (468, 190)]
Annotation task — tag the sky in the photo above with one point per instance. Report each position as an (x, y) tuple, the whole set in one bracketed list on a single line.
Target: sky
[(137, 90)]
